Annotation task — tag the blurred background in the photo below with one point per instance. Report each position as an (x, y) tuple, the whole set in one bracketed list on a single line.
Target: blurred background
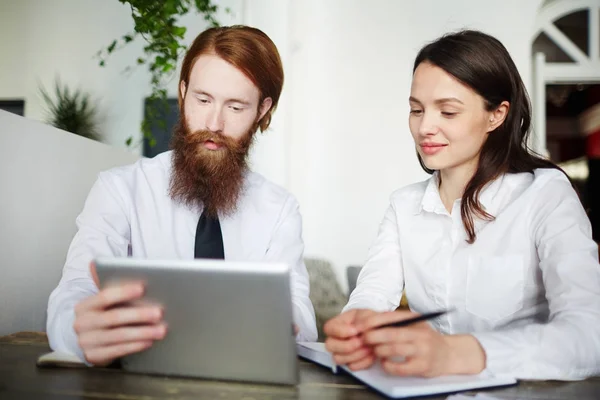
[(339, 140)]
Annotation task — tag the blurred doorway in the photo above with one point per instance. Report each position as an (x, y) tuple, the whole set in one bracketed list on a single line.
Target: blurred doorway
[(566, 94)]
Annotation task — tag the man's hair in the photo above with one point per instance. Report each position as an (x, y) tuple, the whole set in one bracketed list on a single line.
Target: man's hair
[(246, 48)]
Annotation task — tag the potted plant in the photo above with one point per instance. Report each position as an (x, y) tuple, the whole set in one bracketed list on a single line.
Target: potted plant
[(71, 110)]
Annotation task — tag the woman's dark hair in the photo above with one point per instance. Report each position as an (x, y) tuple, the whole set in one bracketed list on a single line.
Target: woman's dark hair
[(482, 63)]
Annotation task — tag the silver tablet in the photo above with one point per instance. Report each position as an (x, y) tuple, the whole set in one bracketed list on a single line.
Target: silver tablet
[(226, 320)]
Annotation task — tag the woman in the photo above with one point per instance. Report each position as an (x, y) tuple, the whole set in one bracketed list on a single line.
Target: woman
[(497, 234)]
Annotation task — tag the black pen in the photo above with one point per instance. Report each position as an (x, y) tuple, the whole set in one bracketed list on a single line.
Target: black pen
[(410, 321)]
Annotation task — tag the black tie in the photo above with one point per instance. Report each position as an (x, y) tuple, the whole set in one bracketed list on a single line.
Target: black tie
[(209, 240)]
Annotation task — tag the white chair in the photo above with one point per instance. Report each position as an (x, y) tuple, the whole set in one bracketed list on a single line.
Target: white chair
[(45, 176)]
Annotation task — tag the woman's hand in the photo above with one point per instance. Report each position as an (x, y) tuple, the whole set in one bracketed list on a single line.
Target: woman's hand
[(419, 350), (344, 341)]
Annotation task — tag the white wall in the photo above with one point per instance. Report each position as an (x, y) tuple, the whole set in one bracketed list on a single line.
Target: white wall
[(271, 153), (340, 138), (352, 70), (45, 177)]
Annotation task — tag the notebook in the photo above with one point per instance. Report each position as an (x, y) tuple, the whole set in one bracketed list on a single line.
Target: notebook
[(58, 359), (403, 387)]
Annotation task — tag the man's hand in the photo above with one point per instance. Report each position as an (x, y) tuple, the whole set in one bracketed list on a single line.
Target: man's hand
[(345, 342), (108, 326)]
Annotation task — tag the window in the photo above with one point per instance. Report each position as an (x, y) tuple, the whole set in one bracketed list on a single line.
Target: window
[(13, 106)]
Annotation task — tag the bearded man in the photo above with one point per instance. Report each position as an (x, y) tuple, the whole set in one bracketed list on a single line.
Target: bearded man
[(199, 200)]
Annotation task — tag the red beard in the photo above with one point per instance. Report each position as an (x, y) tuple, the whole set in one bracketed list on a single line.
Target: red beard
[(210, 178)]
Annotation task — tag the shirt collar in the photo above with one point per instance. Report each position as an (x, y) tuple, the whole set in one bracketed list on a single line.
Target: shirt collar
[(432, 202)]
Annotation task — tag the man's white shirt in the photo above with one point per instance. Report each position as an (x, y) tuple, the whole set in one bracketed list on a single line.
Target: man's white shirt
[(129, 212)]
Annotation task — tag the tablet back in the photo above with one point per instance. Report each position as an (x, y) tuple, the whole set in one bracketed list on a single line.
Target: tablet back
[(226, 320)]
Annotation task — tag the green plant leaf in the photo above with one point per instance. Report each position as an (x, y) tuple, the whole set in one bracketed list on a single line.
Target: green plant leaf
[(111, 47), (72, 111), (179, 31)]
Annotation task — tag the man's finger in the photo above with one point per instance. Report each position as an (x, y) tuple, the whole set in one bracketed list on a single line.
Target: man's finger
[(119, 316), (111, 296), (94, 274), (103, 338), (102, 356)]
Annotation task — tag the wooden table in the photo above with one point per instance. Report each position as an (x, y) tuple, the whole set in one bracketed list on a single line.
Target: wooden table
[(21, 379)]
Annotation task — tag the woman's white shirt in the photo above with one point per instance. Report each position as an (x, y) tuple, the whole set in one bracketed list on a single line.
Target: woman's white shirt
[(528, 288)]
